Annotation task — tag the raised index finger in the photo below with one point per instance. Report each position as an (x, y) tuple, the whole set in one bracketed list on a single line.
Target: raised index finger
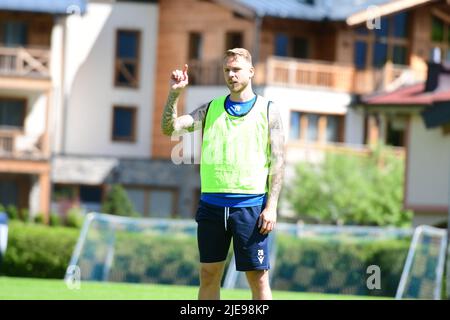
[(185, 69)]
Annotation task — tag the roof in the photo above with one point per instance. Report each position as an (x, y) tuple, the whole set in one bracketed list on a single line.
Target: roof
[(407, 95), (319, 10), (45, 6), (387, 8), (435, 89), (82, 170), (434, 95)]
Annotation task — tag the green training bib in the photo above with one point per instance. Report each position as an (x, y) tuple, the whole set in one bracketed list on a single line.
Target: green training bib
[(235, 154)]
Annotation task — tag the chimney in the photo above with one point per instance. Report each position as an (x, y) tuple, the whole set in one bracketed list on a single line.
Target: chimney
[(434, 69), (438, 74)]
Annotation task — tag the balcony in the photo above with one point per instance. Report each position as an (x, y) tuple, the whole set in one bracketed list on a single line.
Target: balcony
[(290, 72), (16, 145), (25, 62)]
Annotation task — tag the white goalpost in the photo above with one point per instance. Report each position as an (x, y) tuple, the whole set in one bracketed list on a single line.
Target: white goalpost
[(423, 273)]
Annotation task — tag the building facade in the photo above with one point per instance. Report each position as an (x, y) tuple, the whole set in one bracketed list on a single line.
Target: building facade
[(30, 56)]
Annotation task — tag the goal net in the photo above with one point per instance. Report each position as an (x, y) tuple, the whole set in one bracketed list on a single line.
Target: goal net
[(123, 249), (422, 276), (332, 259), (307, 258)]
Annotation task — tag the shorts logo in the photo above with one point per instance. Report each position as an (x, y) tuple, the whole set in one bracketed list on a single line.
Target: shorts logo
[(261, 256)]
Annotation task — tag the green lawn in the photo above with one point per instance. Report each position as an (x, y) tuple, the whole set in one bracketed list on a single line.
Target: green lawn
[(36, 289)]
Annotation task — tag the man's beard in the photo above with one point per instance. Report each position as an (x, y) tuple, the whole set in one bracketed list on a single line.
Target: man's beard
[(237, 88)]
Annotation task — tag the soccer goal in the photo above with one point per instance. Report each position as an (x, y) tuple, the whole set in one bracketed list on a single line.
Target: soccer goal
[(332, 259), (422, 276), (141, 250)]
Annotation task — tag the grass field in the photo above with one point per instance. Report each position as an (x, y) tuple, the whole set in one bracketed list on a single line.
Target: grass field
[(45, 289)]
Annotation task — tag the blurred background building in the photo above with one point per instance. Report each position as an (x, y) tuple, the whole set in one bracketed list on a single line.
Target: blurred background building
[(83, 85)]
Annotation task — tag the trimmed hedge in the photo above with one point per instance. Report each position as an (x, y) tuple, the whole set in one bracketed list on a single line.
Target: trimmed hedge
[(38, 251), (331, 266), (316, 265)]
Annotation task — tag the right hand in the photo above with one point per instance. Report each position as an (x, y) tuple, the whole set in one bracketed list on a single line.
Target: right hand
[(179, 79)]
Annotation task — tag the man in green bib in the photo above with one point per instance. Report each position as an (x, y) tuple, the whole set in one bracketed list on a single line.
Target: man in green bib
[(241, 170)]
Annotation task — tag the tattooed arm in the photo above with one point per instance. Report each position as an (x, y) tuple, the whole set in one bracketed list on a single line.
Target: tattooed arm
[(171, 124), (276, 172)]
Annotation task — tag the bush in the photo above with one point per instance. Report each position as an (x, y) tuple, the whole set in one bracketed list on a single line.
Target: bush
[(37, 250), (117, 202), (12, 212), (54, 219), (346, 189), (75, 218), (25, 215), (39, 218)]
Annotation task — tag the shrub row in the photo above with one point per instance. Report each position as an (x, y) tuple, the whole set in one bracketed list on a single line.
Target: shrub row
[(74, 217)]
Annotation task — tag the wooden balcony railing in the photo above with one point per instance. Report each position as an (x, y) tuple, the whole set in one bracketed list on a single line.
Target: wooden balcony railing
[(14, 144), (6, 143), (303, 73), (26, 62), (296, 72), (204, 73)]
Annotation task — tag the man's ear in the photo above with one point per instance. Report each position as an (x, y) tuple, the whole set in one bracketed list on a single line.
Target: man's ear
[(252, 72)]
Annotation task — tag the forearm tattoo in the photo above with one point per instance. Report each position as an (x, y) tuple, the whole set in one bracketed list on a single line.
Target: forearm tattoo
[(277, 159), (173, 125), (170, 113)]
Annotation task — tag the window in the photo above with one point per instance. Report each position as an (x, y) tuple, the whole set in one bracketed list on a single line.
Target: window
[(195, 46), (437, 29), (234, 40), (91, 194), (360, 54), (161, 203), (440, 37), (373, 48), (13, 34), (300, 48), (312, 127), (294, 132), (153, 202), (124, 124), (291, 46), (9, 192), (332, 132), (66, 196), (281, 45), (312, 133), (395, 134), (127, 58), (12, 113)]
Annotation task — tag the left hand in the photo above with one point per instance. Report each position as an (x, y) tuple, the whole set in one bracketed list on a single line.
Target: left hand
[(267, 220)]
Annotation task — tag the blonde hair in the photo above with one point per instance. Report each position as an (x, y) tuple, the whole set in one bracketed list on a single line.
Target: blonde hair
[(239, 52)]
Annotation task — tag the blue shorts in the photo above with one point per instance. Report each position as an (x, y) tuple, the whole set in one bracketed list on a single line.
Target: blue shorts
[(216, 227)]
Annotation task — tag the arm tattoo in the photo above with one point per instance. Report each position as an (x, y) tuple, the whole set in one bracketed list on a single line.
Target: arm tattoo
[(277, 160), (170, 113), (173, 125)]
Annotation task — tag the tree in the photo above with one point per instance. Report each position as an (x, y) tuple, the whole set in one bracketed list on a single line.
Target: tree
[(350, 189), (117, 202)]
